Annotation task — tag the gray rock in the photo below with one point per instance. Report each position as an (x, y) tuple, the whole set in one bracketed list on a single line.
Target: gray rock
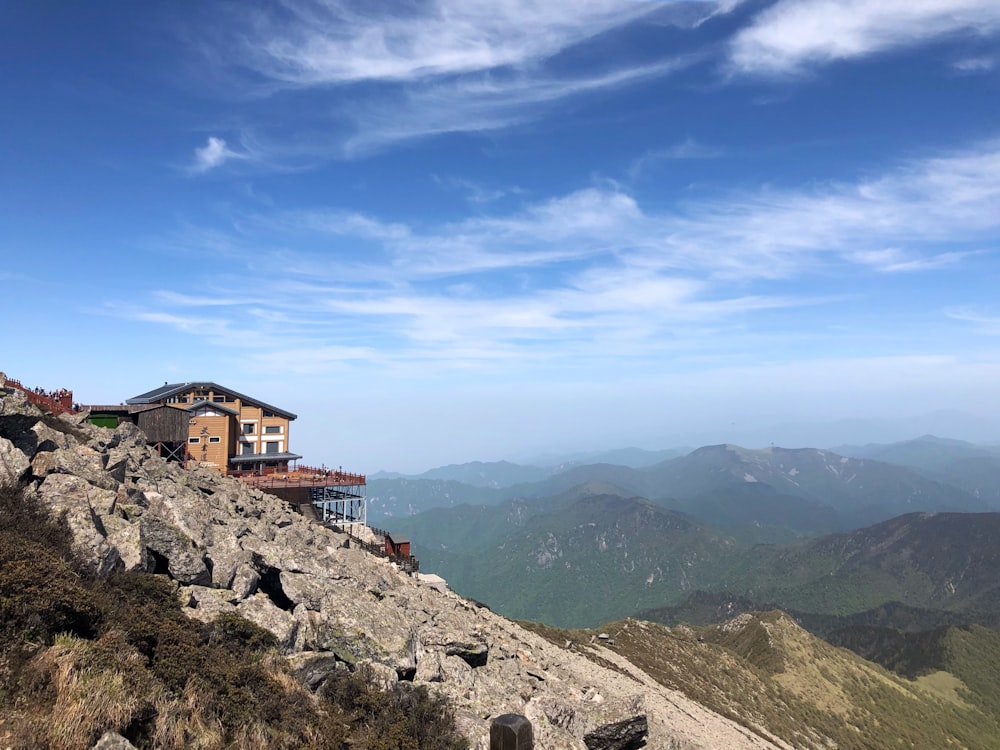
[(80, 461), (475, 655), (13, 463), (378, 674), (313, 668), (113, 741), (628, 734), (244, 581), (260, 610), (170, 548)]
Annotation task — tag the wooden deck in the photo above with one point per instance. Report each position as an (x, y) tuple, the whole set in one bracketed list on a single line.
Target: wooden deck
[(302, 478)]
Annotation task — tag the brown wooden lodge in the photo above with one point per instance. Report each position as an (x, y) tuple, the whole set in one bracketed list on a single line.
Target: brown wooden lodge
[(240, 436)]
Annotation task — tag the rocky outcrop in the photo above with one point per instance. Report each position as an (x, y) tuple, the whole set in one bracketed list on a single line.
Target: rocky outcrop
[(232, 548)]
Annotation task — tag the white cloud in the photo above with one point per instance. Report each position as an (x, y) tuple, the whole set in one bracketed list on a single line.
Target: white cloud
[(396, 72), (975, 64), (987, 323), (687, 149), (591, 274), (213, 154), (794, 34), (481, 103), (334, 42), (894, 260)]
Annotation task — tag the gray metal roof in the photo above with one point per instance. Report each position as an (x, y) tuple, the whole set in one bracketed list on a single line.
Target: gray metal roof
[(172, 389), (264, 458)]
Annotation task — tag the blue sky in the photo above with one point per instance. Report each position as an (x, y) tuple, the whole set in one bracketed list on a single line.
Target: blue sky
[(447, 230)]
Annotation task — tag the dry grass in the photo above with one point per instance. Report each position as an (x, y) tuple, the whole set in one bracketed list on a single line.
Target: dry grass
[(944, 685), (98, 685)]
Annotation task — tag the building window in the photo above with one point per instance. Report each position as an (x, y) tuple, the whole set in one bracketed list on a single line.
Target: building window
[(215, 440), (247, 449), (273, 429), (249, 428), (208, 411), (194, 440), (269, 413), (271, 447)]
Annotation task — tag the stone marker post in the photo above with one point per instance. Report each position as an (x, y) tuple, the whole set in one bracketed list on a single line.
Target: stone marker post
[(511, 732)]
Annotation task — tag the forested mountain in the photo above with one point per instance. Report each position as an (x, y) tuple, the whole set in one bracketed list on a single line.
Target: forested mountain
[(587, 556), (804, 490), (973, 468)]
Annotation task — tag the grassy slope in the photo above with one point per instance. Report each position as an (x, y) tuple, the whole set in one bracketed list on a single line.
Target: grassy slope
[(773, 677)]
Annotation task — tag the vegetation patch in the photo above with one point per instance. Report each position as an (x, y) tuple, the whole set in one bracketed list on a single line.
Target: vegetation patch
[(81, 655)]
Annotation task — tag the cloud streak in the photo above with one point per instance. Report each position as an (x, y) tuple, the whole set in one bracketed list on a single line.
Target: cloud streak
[(396, 73), (334, 42), (590, 275), (794, 35)]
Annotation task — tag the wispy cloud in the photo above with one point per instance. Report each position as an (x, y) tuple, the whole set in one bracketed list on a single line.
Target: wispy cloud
[(394, 73), (311, 43), (894, 260), (792, 35), (483, 103), (985, 322), (589, 274), (687, 149), (475, 192), (214, 154), (975, 64)]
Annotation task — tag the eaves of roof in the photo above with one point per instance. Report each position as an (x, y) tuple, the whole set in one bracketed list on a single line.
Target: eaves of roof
[(172, 389), (264, 458)]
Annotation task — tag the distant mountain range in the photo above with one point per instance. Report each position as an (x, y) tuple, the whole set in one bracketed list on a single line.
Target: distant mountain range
[(802, 490), (836, 540), (586, 556), (973, 468)]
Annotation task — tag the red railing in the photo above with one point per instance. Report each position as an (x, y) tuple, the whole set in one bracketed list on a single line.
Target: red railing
[(61, 402), (300, 478)]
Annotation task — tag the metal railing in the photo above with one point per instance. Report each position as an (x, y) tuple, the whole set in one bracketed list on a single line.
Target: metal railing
[(63, 404), (298, 478), (408, 563)]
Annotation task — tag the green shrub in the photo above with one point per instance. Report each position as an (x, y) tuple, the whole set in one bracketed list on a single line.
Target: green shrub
[(407, 717)]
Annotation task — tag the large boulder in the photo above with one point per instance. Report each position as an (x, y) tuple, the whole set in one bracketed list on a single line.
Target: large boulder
[(13, 463), (172, 552), (627, 734)]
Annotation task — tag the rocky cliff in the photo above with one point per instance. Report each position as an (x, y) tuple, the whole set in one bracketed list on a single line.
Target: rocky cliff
[(229, 547)]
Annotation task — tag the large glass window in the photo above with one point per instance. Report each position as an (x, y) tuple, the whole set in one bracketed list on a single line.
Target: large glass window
[(271, 447), (249, 428), (247, 449), (273, 429)]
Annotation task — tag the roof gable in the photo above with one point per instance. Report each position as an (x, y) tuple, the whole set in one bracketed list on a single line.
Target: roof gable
[(173, 389), (212, 405)]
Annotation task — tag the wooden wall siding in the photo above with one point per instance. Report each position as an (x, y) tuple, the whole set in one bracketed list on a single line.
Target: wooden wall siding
[(205, 451), (228, 428), (164, 425)]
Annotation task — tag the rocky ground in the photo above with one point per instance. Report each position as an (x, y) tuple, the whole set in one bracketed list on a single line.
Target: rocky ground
[(232, 547)]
